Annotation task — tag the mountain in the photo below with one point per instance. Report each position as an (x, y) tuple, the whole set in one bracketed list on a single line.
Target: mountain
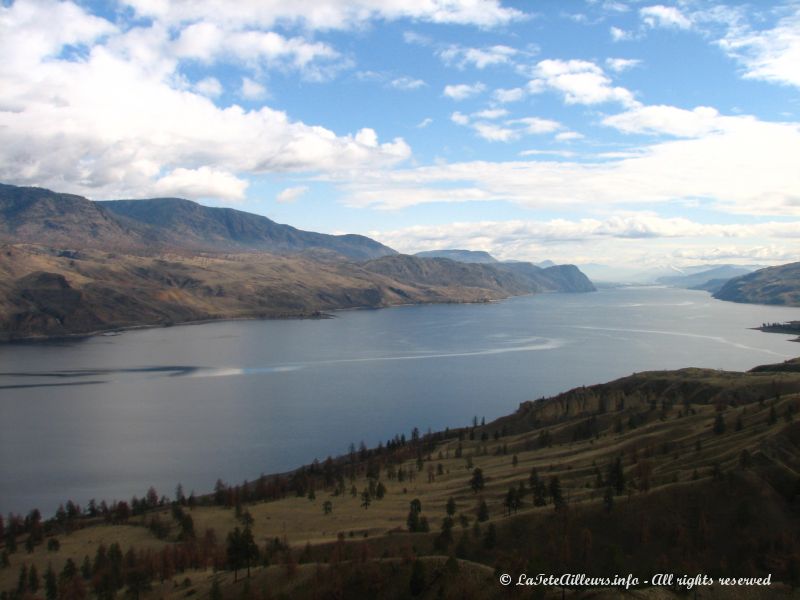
[(513, 278), (773, 285), (558, 278), (72, 266), (186, 224), (696, 280), (39, 216), (464, 256), (35, 215)]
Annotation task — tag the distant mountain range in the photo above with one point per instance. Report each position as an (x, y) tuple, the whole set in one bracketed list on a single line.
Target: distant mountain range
[(69, 265), (710, 279), (35, 215), (773, 285), (465, 256)]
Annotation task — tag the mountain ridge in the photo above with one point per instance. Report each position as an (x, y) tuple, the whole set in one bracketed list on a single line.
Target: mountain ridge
[(773, 285)]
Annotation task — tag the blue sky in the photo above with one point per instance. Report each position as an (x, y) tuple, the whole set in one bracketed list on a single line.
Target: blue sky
[(634, 133)]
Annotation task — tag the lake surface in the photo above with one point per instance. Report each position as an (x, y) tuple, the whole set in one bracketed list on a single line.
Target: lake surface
[(106, 417)]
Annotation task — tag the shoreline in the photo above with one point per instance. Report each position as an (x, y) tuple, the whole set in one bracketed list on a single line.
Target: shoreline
[(318, 314)]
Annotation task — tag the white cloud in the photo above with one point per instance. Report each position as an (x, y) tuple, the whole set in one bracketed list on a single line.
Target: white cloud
[(327, 14), (407, 83), (291, 194), (536, 125), (203, 182), (569, 136), (664, 16), (580, 81), (491, 113), (620, 35), (424, 123), (504, 96), (592, 239), (495, 133), (726, 169), (771, 55), (252, 90), (480, 58), (209, 86), (117, 119), (209, 42), (661, 119), (462, 91), (459, 118), (618, 65), (482, 123)]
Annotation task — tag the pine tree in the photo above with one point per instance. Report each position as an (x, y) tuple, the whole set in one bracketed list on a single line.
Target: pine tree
[(451, 507)]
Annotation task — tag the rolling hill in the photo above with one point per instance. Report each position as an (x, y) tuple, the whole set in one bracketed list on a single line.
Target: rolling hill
[(651, 473), (773, 285)]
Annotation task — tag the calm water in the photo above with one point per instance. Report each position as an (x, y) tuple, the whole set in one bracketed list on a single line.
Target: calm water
[(108, 416)]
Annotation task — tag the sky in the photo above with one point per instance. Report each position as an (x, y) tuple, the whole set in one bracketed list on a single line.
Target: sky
[(637, 134)]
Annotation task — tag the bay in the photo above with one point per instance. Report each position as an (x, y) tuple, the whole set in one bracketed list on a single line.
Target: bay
[(107, 417)]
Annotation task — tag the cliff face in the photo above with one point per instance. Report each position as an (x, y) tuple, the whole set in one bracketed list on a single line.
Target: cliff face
[(773, 285)]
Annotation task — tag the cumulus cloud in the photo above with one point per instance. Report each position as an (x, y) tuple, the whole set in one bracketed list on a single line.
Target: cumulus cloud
[(480, 58), (620, 35), (770, 55), (618, 65), (407, 83), (199, 183), (580, 82), (291, 194), (210, 42), (462, 91), (671, 120), (117, 119), (504, 96), (727, 169), (664, 16), (484, 123), (209, 86), (252, 90)]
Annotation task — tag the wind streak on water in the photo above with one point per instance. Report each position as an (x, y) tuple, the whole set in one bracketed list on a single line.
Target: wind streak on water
[(714, 338)]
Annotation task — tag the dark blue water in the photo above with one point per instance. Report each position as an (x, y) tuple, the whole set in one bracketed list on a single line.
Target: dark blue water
[(109, 416)]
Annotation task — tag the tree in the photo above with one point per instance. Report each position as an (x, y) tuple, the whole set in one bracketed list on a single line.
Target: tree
[(327, 507), (366, 499), (413, 521), (33, 579), (555, 492), (719, 424), (416, 584), (216, 591), (451, 507), (249, 549), (50, 584), (477, 482), (490, 537), (234, 550), (483, 511)]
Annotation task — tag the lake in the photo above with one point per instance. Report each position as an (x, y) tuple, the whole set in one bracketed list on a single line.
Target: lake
[(108, 416)]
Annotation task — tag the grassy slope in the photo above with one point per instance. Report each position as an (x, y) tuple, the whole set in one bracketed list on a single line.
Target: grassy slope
[(689, 503)]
